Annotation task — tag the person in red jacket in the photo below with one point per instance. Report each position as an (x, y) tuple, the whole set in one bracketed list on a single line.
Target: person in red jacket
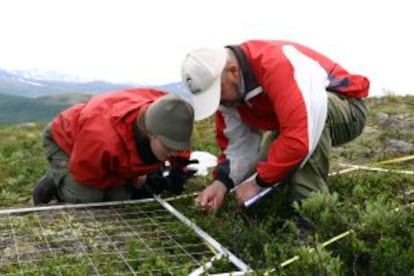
[(299, 100), (104, 149)]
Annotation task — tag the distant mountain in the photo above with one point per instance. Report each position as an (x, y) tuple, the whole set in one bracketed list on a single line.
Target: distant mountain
[(175, 87), (31, 96), (17, 109), (35, 84), (25, 96), (21, 83), (37, 74), (5, 74), (66, 99)]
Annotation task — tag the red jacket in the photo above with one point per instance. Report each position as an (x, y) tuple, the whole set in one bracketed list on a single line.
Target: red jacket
[(98, 136), (284, 86)]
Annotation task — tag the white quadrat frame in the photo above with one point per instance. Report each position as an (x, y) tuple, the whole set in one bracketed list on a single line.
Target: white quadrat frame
[(81, 231), (16, 247)]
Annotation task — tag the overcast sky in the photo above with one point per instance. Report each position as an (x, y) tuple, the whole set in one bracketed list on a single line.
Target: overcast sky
[(145, 41)]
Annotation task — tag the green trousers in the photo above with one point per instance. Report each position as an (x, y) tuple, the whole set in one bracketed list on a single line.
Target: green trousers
[(345, 121), (69, 189)]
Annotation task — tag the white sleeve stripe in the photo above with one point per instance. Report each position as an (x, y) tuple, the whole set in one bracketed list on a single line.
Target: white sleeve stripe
[(311, 78), (253, 93), (243, 146)]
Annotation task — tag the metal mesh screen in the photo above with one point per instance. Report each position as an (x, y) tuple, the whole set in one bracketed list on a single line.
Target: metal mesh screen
[(127, 239)]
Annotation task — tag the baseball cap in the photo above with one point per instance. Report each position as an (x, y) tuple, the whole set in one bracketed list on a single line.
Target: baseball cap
[(201, 73), (171, 119)]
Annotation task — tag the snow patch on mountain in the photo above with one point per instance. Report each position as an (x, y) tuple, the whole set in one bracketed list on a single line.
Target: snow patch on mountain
[(30, 82)]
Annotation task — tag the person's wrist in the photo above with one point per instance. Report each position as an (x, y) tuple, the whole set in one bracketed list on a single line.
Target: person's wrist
[(221, 186), (225, 180)]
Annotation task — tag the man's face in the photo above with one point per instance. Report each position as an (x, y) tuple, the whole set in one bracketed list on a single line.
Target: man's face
[(231, 96)]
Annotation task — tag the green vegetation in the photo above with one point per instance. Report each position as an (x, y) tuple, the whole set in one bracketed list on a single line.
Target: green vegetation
[(376, 206), (16, 109), (21, 163)]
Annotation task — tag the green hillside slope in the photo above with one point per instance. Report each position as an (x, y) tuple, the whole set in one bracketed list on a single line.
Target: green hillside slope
[(16, 109)]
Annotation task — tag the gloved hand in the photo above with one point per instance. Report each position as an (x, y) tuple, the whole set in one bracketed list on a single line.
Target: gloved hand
[(171, 179)]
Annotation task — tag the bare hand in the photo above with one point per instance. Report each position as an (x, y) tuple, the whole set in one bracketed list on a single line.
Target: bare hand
[(211, 198), (139, 182), (246, 190)]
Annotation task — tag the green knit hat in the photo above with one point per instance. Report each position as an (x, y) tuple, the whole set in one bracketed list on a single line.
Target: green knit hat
[(171, 119)]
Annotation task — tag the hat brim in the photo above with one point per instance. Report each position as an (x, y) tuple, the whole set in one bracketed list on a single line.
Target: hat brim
[(207, 102), (175, 145)]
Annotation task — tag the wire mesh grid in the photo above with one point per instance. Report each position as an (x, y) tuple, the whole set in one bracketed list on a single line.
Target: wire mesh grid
[(125, 239)]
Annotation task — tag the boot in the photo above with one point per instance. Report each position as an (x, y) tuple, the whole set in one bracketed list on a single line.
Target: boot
[(45, 190), (304, 227)]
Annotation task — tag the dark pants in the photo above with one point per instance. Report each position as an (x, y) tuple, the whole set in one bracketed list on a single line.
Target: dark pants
[(345, 121), (69, 189)]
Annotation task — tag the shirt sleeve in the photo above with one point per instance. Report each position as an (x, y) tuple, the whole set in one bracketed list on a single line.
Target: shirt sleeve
[(239, 145)]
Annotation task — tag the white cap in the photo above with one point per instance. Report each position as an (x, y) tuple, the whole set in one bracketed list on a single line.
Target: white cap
[(201, 73)]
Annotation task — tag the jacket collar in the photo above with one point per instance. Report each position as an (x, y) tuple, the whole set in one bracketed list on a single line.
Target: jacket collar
[(251, 85), (142, 143)]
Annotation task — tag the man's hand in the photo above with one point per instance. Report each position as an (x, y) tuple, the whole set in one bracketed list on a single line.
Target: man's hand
[(246, 190), (211, 198), (139, 182)]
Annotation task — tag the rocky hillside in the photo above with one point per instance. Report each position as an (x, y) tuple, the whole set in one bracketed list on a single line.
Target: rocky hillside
[(389, 132)]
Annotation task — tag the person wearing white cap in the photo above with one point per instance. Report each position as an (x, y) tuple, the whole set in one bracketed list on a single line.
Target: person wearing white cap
[(302, 101)]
